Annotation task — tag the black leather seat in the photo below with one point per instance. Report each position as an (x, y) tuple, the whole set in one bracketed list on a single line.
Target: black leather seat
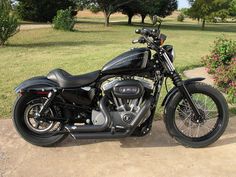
[(66, 80)]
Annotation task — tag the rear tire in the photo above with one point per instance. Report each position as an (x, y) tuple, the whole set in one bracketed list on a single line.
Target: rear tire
[(30, 136), (217, 130)]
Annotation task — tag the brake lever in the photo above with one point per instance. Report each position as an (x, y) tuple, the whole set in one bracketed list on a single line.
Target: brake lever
[(141, 40)]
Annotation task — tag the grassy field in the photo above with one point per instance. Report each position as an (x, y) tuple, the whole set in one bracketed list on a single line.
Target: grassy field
[(36, 52)]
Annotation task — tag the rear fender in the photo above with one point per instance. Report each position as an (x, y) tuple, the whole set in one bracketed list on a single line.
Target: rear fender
[(174, 90), (36, 84)]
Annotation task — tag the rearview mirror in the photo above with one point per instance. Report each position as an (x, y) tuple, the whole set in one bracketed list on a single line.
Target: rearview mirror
[(154, 20)]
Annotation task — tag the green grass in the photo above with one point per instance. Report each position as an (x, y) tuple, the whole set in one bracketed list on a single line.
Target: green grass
[(36, 52)]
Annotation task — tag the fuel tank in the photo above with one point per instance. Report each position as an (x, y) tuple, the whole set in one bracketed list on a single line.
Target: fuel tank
[(131, 61)]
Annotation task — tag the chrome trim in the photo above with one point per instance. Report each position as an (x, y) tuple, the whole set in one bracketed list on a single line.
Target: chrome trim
[(170, 65)]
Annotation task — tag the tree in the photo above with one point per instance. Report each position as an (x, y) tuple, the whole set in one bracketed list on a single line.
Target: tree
[(232, 9), (180, 17), (107, 7), (203, 9), (8, 22), (43, 10), (64, 20), (130, 10), (162, 8), (141, 8)]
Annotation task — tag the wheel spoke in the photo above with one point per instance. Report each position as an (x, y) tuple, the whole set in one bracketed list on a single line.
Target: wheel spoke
[(189, 124), (183, 121), (37, 125), (183, 112), (190, 127), (198, 128)]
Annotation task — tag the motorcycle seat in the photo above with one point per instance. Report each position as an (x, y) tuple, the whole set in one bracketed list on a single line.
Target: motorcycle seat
[(66, 80)]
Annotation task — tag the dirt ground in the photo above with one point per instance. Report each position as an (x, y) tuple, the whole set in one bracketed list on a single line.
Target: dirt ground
[(151, 156), (34, 26)]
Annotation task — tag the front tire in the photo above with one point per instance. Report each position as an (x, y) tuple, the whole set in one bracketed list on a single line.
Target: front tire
[(39, 138), (198, 133)]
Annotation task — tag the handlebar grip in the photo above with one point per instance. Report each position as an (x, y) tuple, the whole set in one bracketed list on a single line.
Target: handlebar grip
[(138, 31), (146, 31), (135, 41), (141, 40)]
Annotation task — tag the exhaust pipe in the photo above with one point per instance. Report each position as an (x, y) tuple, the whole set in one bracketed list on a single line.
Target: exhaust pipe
[(93, 128), (110, 135)]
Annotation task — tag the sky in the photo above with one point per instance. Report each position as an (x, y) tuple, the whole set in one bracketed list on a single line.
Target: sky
[(183, 4)]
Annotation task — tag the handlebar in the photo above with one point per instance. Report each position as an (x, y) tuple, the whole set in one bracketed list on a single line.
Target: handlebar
[(141, 40), (158, 39), (148, 32)]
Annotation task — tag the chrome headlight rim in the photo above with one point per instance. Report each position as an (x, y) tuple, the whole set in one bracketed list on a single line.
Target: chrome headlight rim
[(173, 54)]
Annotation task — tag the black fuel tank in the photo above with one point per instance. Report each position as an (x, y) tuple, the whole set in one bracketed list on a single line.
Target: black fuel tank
[(133, 60)]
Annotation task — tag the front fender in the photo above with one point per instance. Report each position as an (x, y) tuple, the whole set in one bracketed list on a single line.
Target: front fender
[(174, 90), (35, 84)]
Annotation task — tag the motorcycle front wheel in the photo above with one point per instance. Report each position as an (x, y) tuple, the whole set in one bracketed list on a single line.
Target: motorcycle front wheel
[(186, 128)]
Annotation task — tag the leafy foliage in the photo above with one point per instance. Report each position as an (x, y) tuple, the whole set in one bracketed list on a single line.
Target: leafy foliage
[(222, 64), (43, 10), (232, 9), (180, 17), (131, 9), (161, 8), (64, 20), (184, 11), (108, 7), (8, 22), (202, 9)]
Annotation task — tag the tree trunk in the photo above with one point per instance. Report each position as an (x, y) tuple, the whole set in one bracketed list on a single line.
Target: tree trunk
[(143, 18), (203, 23), (107, 18), (1, 43), (130, 19)]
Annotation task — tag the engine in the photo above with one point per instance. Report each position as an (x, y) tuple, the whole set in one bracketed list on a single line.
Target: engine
[(126, 97)]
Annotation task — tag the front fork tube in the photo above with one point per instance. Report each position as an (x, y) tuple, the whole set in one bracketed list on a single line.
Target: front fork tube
[(177, 80)]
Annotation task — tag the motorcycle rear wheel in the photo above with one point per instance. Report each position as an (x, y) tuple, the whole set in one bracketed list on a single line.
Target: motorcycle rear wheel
[(28, 130)]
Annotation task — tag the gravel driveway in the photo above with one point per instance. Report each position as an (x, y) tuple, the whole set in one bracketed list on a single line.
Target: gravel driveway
[(151, 156)]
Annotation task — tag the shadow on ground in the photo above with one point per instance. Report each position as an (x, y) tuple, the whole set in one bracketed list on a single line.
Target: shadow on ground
[(216, 27), (59, 43), (158, 138)]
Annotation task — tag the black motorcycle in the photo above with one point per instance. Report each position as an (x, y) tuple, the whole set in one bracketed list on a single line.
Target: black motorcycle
[(120, 100)]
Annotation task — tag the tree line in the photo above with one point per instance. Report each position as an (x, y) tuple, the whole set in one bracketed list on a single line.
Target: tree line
[(202, 10), (45, 10)]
